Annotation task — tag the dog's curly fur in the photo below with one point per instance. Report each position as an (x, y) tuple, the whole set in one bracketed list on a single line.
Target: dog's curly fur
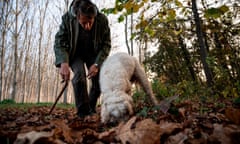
[(116, 76)]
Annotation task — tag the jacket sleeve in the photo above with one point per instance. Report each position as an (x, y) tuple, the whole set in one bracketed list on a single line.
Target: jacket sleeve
[(106, 41), (61, 44)]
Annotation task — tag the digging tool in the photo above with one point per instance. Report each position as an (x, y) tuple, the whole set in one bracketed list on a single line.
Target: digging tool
[(165, 104), (58, 97)]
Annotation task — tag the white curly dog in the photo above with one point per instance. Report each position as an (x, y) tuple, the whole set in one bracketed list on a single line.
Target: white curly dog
[(117, 74)]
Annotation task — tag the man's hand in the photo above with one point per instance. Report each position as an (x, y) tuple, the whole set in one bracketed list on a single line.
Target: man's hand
[(93, 70), (65, 71)]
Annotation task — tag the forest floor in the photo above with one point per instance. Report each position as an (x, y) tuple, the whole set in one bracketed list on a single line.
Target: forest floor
[(189, 122)]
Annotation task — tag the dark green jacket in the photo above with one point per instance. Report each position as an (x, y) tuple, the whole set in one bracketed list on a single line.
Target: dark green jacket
[(67, 36)]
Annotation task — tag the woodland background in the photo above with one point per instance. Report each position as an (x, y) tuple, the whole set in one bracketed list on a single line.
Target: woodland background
[(188, 47)]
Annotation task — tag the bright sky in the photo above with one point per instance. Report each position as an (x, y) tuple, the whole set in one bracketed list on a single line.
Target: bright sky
[(117, 29)]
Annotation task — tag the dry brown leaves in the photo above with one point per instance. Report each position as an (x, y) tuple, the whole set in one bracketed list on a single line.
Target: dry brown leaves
[(190, 125)]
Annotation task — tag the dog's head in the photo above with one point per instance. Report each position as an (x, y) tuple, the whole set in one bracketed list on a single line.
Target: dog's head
[(116, 107)]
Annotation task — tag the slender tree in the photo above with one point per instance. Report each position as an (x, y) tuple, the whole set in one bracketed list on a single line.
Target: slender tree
[(18, 27), (5, 9), (65, 98), (126, 35), (16, 35), (42, 17), (202, 45), (131, 32), (187, 58)]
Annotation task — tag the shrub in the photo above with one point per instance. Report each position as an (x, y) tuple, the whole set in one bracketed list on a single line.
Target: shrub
[(8, 101)]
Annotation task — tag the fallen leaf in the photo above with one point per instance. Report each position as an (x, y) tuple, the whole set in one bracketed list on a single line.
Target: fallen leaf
[(233, 115), (177, 139), (219, 135), (193, 126), (143, 132), (109, 135), (168, 128), (31, 137), (62, 130)]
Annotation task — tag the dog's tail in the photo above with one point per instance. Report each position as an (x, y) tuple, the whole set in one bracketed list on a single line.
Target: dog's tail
[(141, 78)]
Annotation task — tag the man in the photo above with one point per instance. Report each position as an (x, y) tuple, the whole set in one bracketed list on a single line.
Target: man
[(83, 38)]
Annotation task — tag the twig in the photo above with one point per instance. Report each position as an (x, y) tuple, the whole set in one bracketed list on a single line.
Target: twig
[(58, 97)]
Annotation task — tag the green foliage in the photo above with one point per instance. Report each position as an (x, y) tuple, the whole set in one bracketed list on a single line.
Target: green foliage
[(108, 10), (120, 18), (159, 89), (227, 89), (124, 8), (216, 12), (237, 101), (171, 29), (8, 101), (174, 111), (178, 3), (171, 15), (139, 96), (11, 103), (143, 112), (186, 90), (62, 105)]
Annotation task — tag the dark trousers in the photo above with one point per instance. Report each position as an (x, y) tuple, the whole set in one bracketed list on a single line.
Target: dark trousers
[(85, 103)]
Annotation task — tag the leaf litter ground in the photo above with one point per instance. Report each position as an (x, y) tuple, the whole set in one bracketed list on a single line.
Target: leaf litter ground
[(186, 122)]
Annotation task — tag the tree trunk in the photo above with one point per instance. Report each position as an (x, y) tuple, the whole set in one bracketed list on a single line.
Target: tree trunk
[(202, 45), (1, 65), (41, 24), (2, 49), (126, 34), (65, 96), (4, 19), (15, 63), (129, 48), (32, 82), (2, 70), (131, 32), (187, 58)]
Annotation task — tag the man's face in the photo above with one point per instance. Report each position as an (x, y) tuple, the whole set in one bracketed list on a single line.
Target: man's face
[(86, 22)]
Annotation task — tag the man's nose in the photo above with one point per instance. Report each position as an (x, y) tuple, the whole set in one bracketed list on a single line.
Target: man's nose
[(87, 26)]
